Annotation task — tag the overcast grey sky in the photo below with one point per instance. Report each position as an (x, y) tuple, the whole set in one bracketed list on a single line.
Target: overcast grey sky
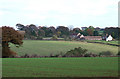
[(79, 13)]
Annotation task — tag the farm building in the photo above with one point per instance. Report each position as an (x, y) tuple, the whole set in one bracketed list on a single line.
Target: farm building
[(78, 34), (82, 37), (109, 38), (74, 36), (83, 28), (92, 37)]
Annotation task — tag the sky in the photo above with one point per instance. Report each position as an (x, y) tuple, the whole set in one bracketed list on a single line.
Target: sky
[(79, 13)]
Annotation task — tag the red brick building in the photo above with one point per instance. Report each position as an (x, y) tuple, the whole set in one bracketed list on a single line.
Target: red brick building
[(93, 37)]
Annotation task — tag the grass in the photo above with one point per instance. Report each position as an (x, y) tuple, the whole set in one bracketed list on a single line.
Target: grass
[(55, 47), (60, 67), (0, 68), (109, 42)]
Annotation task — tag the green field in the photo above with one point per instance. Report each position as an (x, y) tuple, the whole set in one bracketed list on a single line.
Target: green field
[(55, 47), (60, 67), (102, 41)]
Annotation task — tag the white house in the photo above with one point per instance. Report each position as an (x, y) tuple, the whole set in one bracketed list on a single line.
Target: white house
[(81, 36), (78, 34), (109, 38)]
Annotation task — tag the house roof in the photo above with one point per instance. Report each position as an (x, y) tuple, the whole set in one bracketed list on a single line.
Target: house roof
[(92, 37), (82, 36)]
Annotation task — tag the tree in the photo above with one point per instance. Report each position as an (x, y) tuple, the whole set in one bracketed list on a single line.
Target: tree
[(46, 30), (92, 28), (33, 29), (30, 30), (90, 32), (70, 27), (114, 31), (113, 34), (76, 30), (52, 31), (54, 37), (85, 33), (95, 33), (58, 33), (64, 30), (20, 26), (9, 35), (41, 33)]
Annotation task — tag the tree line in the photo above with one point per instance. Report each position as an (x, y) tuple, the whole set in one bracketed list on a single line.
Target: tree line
[(39, 32), (10, 35)]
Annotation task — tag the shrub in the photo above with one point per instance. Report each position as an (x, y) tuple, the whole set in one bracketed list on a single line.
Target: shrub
[(26, 56), (106, 53), (39, 38), (51, 55), (33, 38), (67, 39), (87, 55), (77, 52), (54, 37), (34, 56), (90, 55), (118, 53)]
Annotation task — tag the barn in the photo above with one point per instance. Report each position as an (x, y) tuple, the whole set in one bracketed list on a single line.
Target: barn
[(90, 37)]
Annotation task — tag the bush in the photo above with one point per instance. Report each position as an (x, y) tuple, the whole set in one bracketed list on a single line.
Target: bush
[(87, 55), (34, 56), (57, 55), (39, 38), (90, 55), (54, 37), (106, 53), (51, 55), (26, 56), (118, 53), (33, 38), (77, 52), (68, 39)]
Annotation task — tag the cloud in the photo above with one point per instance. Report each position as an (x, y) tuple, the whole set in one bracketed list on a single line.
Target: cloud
[(88, 7), (55, 12)]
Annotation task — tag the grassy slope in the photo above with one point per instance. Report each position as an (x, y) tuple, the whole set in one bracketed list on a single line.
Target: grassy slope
[(102, 41), (48, 47), (60, 67)]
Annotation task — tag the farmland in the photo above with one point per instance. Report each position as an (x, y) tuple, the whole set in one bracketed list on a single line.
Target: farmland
[(102, 41), (60, 67), (55, 47)]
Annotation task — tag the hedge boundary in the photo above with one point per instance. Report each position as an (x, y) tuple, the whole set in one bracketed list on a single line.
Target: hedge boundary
[(104, 43)]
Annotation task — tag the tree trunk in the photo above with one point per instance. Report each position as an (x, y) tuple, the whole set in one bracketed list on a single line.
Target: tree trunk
[(6, 52)]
